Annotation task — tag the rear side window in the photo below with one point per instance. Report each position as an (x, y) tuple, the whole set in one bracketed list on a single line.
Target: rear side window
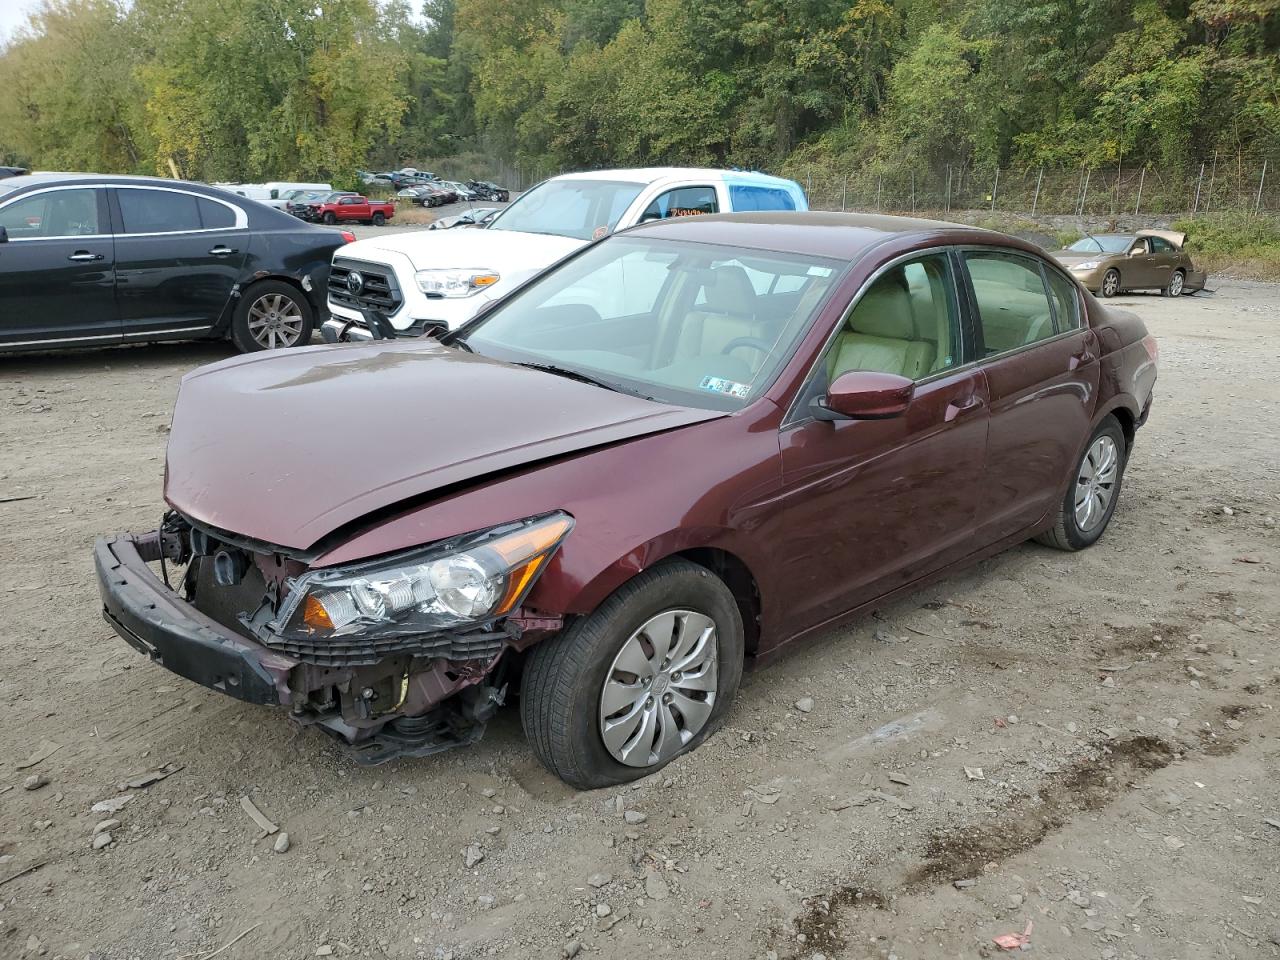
[(1066, 302), (1013, 307), (158, 211), (1160, 245), (215, 216), (682, 202), (747, 197)]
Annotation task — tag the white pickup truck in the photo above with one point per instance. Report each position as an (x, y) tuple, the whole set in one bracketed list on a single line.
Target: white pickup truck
[(443, 278)]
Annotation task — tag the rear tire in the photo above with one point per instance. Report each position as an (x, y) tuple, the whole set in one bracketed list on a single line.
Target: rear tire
[(567, 677), (379, 219), (271, 314), (1097, 480), (1176, 282)]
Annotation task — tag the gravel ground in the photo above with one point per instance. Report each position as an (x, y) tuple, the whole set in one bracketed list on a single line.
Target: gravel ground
[(1079, 746)]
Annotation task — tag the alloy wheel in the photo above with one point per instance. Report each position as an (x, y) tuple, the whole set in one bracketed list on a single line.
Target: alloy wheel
[(275, 321), (660, 689), (1096, 483), (1111, 284), (1175, 285)]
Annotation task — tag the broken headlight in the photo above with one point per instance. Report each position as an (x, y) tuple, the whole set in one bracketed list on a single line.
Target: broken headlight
[(462, 582)]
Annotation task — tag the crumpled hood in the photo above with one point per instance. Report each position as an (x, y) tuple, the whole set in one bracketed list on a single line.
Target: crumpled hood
[(509, 252), (286, 447)]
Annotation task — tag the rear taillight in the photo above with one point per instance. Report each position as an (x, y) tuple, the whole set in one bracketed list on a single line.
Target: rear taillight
[(348, 236), (1153, 348)]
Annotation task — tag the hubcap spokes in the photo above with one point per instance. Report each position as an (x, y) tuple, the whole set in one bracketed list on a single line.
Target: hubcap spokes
[(275, 321), (1096, 483), (660, 689)]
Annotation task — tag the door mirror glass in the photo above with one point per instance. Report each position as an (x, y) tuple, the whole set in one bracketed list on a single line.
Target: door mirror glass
[(864, 395)]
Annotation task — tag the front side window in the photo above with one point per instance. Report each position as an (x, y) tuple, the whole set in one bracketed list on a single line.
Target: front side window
[(906, 323), (585, 209), (1013, 307), (682, 202), (52, 213), (158, 211), (678, 322)]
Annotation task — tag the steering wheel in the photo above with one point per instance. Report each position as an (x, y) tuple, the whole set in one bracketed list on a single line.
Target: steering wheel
[(755, 343)]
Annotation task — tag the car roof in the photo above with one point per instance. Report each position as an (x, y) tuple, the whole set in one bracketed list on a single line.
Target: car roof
[(654, 174), (844, 236)]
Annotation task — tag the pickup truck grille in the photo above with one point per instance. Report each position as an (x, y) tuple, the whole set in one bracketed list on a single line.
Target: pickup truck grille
[(377, 291)]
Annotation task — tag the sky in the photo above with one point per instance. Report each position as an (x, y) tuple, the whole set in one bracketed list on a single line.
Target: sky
[(13, 13)]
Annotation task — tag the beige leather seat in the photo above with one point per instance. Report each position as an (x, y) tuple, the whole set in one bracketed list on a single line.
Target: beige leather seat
[(882, 335), (728, 311)]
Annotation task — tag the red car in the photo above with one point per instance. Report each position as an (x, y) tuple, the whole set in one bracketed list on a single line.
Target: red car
[(679, 450), (351, 208)]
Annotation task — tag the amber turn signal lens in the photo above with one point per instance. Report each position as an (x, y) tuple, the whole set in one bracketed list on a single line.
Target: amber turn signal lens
[(516, 583), (484, 280), (314, 615)]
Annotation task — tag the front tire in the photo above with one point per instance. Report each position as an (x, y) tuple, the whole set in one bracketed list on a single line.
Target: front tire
[(645, 678), (271, 314), (1110, 283), (1094, 490), (1176, 282), (329, 218)]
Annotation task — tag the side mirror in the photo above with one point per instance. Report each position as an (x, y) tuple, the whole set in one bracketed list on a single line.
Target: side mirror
[(864, 395), (1136, 251)]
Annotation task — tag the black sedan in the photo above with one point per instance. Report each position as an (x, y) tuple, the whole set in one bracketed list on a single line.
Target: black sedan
[(90, 260)]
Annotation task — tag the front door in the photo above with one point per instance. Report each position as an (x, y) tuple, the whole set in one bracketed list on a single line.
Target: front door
[(1142, 268), (178, 258), (1042, 370), (870, 505), (57, 270)]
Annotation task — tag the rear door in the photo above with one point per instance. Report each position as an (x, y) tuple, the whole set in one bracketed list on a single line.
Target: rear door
[(57, 270), (1041, 369), (178, 257)]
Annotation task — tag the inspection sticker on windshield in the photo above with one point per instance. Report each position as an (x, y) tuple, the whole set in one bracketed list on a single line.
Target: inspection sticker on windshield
[(731, 387)]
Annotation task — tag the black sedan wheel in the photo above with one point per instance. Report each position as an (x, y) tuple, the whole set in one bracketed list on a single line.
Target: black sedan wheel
[(271, 314), (645, 678)]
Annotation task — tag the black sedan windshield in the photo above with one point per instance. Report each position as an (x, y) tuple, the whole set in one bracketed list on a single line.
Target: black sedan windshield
[(689, 323)]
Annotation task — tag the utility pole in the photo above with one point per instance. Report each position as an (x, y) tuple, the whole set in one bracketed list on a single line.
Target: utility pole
[(1257, 204), (1036, 198)]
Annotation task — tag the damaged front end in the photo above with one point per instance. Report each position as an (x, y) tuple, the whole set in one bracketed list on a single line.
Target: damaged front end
[(400, 656)]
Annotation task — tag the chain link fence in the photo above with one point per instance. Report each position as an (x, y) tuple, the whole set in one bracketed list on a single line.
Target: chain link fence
[(1220, 184)]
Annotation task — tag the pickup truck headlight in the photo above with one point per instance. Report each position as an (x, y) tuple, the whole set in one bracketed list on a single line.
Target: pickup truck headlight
[(1087, 265), (462, 582), (454, 283)]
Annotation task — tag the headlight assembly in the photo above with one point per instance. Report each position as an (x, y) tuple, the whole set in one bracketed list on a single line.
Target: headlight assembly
[(454, 283), (1087, 265), (462, 582)]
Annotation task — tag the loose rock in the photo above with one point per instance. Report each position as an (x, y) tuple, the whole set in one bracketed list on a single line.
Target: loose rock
[(35, 781), (472, 855), (804, 704), (635, 816), (655, 887), (282, 843), (101, 840)]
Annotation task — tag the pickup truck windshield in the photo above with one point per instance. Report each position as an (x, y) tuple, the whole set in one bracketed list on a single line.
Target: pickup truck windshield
[(695, 324), (570, 208)]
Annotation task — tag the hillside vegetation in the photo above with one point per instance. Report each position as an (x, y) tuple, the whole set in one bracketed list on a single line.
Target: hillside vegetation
[(252, 89)]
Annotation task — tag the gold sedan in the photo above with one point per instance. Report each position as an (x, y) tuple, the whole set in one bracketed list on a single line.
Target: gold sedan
[(1110, 263)]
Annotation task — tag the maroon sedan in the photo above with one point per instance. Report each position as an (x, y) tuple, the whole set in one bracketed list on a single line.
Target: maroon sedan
[(679, 450)]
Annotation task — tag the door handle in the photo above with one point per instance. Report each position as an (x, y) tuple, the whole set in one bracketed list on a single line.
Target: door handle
[(1080, 359), (84, 256), (958, 408), (221, 251)]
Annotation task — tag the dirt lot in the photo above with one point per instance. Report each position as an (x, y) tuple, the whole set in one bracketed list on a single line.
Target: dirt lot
[(1086, 743)]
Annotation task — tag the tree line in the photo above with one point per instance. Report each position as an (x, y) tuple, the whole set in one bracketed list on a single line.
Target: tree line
[(274, 89)]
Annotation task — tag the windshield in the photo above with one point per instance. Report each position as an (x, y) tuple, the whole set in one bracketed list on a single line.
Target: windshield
[(1105, 243), (585, 209), (685, 323)]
